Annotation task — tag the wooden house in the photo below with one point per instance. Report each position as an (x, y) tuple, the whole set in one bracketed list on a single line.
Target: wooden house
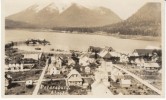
[(146, 54), (74, 78), (110, 55), (125, 83), (151, 67), (84, 60)]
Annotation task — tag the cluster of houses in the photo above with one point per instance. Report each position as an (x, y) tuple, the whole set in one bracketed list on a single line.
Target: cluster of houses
[(56, 63), (147, 59), (107, 57), (103, 58), (27, 62)]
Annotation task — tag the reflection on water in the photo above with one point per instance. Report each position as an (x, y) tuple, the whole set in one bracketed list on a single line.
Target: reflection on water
[(81, 42)]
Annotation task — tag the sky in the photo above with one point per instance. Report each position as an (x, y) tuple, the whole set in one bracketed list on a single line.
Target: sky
[(123, 8)]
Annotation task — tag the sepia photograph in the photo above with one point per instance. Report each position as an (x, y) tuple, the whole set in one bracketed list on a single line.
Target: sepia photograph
[(83, 48)]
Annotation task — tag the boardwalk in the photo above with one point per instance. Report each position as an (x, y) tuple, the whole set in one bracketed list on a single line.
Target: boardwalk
[(40, 79), (22, 70), (140, 80), (54, 79)]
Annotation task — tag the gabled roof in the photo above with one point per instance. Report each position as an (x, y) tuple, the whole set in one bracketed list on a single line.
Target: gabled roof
[(104, 53), (108, 48), (71, 61), (108, 54), (73, 71)]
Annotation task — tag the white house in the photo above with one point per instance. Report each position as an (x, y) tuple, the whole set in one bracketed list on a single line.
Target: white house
[(124, 58), (15, 67), (116, 75), (52, 70), (101, 84), (151, 66), (84, 60), (102, 75), (139, 62), (33, 56), (71, 62), (59, 62), (125, 83), (92, 60), (107, 65), (87, 70), (74, 78), (29, 83), (53, 59)]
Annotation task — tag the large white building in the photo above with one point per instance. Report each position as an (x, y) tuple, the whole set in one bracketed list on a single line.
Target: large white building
[(101, 84), (52, 70)]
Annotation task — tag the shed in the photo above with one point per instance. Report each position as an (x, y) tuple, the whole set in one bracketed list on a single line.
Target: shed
[(125, 83), (87, 69), (29, 83)]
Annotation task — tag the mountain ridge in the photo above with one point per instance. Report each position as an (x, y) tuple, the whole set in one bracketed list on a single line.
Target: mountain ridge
[(146, 21), (74, 16)]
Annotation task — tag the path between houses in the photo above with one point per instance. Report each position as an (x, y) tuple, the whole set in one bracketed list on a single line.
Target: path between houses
[(40, 80), (140, 80)]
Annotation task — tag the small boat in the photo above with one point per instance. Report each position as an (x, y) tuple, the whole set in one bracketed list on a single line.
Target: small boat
[(37, 48)]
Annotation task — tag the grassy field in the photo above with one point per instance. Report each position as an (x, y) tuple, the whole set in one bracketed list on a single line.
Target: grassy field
[(19, 89), (26, 75)]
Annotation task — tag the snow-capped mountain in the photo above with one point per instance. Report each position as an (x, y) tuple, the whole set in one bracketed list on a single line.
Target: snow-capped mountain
[(73, 15)]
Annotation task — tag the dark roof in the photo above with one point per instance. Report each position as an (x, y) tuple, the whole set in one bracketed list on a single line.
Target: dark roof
[(142, 52), (109, 48), (107, 56)]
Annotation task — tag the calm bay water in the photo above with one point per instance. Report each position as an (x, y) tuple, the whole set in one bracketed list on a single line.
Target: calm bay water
[(78, 41)]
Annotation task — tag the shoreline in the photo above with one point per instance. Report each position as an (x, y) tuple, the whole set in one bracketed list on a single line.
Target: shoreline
[(133, 37)]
